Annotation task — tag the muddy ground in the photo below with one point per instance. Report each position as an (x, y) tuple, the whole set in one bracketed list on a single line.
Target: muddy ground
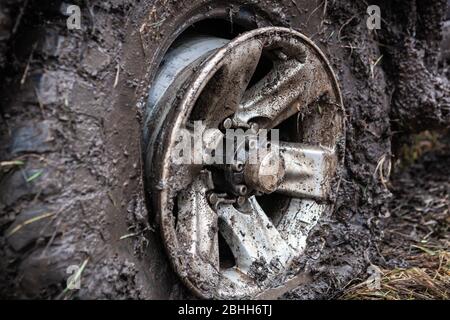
[(71, 105), (413, 260)]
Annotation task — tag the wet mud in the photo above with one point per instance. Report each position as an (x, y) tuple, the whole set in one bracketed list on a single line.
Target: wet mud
[(72, 190)]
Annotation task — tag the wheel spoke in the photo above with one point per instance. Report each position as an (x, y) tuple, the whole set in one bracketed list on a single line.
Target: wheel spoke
[(289, 87), (301, 216), (193, 149), (224, 91), (252, 236), (197, 222), (308, 171)]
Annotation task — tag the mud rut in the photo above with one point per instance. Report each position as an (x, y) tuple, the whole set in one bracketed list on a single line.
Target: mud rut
[(70, 120)]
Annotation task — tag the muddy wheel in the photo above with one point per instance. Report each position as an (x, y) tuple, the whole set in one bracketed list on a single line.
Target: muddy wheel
[(262, 207)]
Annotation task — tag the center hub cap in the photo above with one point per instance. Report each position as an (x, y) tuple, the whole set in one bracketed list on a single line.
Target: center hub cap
[(267, 174), (234, 229)]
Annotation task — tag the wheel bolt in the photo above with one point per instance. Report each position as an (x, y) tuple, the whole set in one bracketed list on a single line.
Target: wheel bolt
[(254, 127), (238, 166), (213, 199), (227, 123), (240, 189), (240, 200)]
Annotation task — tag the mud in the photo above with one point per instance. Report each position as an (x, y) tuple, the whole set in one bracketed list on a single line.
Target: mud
[(8, 13), (418, 216), (73, 125), (421, 99), (414, 235)]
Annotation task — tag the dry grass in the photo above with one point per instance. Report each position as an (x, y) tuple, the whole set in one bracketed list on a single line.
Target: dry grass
[(430, 281), (413, 254)]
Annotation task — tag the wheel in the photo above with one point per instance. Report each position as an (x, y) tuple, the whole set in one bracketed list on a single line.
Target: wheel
[(233, 224)]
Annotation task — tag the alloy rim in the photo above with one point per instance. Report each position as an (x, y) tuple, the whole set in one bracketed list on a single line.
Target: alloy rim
[(234, 229)]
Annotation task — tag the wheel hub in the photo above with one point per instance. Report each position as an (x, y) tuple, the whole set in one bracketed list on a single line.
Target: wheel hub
[(267, 174), (210, 197)]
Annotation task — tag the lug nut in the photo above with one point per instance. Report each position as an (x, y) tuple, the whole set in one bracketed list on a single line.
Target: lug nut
[(240, 200), (240, 189), (213, 199), (238, 166), (227, 123), (254, 127)]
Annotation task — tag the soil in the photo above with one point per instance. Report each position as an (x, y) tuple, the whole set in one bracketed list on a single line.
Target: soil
[(419, 214), (70, 140)]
